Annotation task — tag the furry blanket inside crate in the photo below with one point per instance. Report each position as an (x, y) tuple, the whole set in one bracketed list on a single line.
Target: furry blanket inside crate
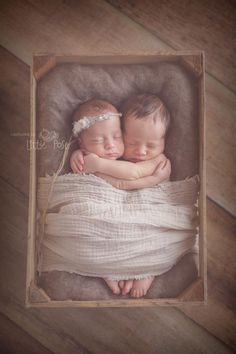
[(67, 85)]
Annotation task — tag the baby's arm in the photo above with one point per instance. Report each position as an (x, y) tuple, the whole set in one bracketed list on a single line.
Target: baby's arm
[(161, 174), (120, 169)]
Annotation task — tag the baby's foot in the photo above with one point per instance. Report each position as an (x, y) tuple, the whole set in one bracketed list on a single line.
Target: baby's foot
[(121, 284), (127, 286), (113, 285), (141, 286)]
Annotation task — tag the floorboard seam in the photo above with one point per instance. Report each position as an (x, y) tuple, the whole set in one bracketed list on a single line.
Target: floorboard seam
[(210, 333), (166, 43), (22, 329), (14, 187)]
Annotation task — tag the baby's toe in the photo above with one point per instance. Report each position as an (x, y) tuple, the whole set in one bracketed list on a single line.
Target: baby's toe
[(121, 284), (116, 290), (140, 293), (127, 287), (134, 293)]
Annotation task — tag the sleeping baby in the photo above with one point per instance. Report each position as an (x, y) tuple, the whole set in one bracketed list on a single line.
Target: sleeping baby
[(145, 121)]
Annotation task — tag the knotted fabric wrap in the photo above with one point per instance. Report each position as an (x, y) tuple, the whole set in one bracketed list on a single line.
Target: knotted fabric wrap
[(94, 229)]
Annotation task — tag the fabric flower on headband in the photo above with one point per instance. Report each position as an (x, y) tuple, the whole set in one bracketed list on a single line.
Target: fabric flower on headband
[(86, 122)]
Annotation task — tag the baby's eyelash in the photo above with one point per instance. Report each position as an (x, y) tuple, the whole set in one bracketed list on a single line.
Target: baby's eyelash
[(98, 141)]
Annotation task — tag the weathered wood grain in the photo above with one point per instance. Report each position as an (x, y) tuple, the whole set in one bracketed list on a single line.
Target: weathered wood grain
[(13, 216), (96, 27), (218, 316), (14, 121), (13, 340), (203, 25), (221, 144), (74, 28), (117, 330)]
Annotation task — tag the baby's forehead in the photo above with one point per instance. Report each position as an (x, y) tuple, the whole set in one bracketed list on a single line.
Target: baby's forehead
[(140, 128), (150, 120)]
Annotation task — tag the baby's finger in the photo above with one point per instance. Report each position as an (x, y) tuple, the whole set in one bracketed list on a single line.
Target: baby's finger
[(80, 157), (74, 167), (78, 165)]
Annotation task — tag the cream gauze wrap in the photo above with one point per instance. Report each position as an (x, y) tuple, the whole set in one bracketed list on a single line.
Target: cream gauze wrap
[(94, 229)]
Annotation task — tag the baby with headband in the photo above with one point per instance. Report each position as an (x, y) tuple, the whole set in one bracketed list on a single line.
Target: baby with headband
[(145, 122), (96, 124)]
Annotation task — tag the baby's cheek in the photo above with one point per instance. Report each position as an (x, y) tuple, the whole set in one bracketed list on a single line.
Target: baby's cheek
[(156, 152), (122, 148), (96, 150), (127, 152)]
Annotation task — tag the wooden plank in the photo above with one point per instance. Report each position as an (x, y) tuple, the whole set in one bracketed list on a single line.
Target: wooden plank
[(75, 27), (195, 292), (13, 214), (204, 25), (221, 144), (218, 316), (13, 340), (14, 122), (132, 330)]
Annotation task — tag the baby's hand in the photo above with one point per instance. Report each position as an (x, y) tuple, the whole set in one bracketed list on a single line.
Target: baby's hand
[(163, 170), (91, 162), (77, 161)]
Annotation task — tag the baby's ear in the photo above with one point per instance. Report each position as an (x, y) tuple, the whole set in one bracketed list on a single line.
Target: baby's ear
[(79, 141), (81, 147)]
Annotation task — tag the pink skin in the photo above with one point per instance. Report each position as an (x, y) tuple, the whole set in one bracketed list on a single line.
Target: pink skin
[(141, 286), (105, 140), (113, 285), (144, 139), (126, 286)]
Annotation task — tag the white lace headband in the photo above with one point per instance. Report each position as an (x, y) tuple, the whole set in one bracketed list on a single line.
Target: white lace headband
[(86, 122)]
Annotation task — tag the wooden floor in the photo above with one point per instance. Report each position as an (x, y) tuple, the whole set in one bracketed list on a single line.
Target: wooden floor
[(118, 26)]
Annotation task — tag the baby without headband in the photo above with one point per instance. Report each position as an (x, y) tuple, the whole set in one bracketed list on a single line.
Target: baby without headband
[(86, 122)]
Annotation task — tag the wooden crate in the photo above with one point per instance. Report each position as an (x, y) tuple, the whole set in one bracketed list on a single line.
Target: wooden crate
[(41, 65)]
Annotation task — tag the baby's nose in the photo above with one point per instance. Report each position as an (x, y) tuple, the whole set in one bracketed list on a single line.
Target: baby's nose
[(110, 144), (141, 151)]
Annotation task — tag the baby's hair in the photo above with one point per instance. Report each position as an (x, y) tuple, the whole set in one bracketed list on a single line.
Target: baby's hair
[(92, 107), (143, 105)]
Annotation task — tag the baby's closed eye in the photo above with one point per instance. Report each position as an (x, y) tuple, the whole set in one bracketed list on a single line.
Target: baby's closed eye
[(97, 141), (118, 136), (152, 146)]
